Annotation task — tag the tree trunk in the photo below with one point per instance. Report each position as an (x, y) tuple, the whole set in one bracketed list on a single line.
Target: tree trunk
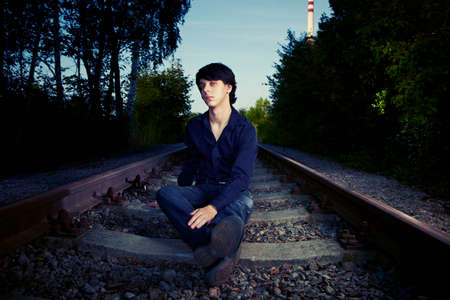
[(133, 78), (2, 47), (57, 54), (87, 57), (108, 103), (86, 49), (79, 85), (22, 75), (34, 60), (116, 70), (96, 93), (114, 60), (87, 66)]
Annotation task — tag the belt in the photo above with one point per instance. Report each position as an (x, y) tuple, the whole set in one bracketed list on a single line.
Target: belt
[(210, 181)]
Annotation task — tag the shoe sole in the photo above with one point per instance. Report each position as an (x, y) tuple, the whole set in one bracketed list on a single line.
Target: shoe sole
[(204, 256), (220, 273), (221, 244), (226, 235), (237, 256)]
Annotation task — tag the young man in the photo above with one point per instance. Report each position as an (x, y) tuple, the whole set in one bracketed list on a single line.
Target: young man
[(210, 215)]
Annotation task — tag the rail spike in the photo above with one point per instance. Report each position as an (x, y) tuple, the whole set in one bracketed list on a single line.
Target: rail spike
[(112, 198), (354, 238), (62, 225), (136, 183)]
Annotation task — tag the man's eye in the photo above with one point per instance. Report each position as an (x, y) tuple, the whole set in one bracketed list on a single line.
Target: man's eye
[(212, 83)]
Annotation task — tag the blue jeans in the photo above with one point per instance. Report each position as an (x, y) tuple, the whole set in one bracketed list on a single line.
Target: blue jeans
[(178, 201)]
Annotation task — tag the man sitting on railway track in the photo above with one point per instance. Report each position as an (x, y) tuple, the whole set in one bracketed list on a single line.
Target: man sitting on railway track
[(210, 215)]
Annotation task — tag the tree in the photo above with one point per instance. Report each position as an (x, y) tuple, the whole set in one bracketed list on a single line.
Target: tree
[(372, 89), (260, 116), (154, 35), (101, 31), (57, 51), (83, 104), (162, 106)]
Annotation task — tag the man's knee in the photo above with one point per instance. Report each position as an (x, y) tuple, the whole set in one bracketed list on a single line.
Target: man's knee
[(247, 199), (242, 207), (165, 194)]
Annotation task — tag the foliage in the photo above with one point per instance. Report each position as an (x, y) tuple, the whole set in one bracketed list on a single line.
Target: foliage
[(162, 106), (73, 108), (97, 35), (259, 115), (373, 88), (51, 135)]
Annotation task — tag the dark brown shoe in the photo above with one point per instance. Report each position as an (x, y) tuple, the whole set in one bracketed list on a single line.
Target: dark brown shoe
[(237, 255), (219, 273), (225, 239)]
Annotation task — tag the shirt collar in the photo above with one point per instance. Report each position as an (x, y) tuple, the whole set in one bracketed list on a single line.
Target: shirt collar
[(234, 118)]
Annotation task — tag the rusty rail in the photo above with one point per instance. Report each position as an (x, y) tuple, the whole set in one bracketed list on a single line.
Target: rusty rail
[(422, 249), (25, 220), (418, 248)]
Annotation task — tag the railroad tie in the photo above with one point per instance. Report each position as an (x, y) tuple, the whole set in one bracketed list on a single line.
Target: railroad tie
[(269, 191)]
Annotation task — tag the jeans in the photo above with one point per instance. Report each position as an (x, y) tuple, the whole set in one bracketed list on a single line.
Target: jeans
[(178, 201)]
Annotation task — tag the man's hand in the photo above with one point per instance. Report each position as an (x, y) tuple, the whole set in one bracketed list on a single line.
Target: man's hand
[(202, 216)]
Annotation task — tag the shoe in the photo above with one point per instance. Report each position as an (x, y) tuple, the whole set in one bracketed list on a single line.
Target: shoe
[(237, 255), (219, 273), (225, 239)]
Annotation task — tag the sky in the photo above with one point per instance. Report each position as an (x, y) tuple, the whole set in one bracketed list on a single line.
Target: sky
[(244, 35)]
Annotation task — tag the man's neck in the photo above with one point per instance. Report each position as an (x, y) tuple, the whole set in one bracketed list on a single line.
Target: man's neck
[(220, 115)]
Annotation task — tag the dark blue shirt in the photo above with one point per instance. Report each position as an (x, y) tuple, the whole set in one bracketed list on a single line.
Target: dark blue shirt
[(229, 160)]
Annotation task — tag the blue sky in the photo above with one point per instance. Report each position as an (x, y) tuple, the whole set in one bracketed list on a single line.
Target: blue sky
[(244, 35)]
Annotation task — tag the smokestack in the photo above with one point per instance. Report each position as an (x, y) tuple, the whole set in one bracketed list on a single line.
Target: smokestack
[(310, 20)]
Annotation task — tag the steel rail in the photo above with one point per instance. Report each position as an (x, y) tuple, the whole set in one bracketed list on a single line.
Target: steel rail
[(419, 249), (28, 219)]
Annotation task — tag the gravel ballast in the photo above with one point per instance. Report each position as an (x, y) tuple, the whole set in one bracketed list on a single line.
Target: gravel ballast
[(26, 185), (42, 270), (70, 273), (406, 199), (409, 200)]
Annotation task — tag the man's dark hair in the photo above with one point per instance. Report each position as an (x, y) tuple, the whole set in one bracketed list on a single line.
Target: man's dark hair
[(218, 71)]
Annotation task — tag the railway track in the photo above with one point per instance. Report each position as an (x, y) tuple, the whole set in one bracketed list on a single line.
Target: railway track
[(301, 218)]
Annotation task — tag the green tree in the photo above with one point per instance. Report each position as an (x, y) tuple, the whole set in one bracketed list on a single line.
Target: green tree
[(259, 115), (162, 106), (73, 107), (152, 35), (373, 88)]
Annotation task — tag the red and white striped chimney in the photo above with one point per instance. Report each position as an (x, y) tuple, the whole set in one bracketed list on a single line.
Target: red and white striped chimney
[(310, 18)]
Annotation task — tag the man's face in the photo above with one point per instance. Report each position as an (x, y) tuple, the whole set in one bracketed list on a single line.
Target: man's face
[(214, 92)]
